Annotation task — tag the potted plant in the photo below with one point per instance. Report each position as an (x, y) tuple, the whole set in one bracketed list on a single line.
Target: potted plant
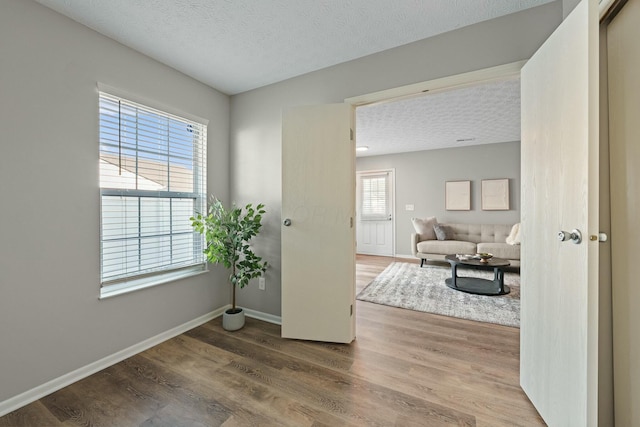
[(227, 235)]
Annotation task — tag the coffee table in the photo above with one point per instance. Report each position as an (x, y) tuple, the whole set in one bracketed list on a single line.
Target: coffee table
[(476, 285)]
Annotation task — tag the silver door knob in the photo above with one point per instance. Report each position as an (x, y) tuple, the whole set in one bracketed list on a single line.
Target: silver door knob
[(575, 236), (286, 222)]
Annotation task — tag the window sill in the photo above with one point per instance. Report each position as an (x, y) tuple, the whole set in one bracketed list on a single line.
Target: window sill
[(148, 282)]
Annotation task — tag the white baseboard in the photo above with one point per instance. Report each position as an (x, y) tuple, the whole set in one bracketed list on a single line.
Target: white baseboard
[(270, 318), (56, 384), (49, 387), (405, 256), (391, 256)]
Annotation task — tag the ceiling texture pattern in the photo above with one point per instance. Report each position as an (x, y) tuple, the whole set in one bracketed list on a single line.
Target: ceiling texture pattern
[(238, 45), (481, 114)]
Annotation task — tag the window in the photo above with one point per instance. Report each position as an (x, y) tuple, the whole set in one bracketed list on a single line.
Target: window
[(152, 180), (375, 197)]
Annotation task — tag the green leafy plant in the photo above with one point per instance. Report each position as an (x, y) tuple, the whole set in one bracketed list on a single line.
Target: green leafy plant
[(227, 235)]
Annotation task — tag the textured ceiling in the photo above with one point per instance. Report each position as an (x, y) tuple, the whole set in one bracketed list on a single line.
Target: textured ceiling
[(238, 45), (481, 114)]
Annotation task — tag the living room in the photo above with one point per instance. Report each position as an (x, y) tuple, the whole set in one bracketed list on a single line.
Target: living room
[(421, 177), (411, 153), (53, 323)]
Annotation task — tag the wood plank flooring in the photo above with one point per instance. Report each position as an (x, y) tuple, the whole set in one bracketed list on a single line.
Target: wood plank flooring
[(405, 368)]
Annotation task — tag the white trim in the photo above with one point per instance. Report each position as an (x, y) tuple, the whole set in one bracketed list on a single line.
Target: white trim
[(445, 83), (56, 384), (402, 256), (265, 317), (406, 256), (133, 285)]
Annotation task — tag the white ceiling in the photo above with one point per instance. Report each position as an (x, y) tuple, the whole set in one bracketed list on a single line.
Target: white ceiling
[(481, 114), (238, 45)]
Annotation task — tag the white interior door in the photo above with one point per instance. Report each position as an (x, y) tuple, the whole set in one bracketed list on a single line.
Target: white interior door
[(559, 312), (318, 204), (374, 210), (623, 34)]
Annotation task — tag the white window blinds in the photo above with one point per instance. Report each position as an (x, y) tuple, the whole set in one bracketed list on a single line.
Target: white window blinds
[(152, 180), (375, 197)]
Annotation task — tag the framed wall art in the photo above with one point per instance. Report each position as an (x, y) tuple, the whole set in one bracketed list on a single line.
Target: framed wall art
[(457, 195), (495, 194)]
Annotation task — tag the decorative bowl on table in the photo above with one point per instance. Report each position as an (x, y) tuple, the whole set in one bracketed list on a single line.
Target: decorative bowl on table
[(484, 256)]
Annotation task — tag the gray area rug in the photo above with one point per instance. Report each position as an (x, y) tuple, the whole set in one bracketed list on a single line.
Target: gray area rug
[(409, 286)]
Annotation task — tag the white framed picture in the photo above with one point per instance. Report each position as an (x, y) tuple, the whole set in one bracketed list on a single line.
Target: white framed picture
[(457, 195), (495, 194)]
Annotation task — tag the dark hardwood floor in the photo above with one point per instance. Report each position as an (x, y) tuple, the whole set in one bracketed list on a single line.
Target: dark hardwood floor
[(405, 368)]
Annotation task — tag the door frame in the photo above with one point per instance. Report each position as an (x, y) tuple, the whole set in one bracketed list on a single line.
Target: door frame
[(392, 188), (456, 81), (621, 409)]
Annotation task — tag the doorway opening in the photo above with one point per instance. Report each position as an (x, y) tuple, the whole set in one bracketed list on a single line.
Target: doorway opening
[(426, 133)]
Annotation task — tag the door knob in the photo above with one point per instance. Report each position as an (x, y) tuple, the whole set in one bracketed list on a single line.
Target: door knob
[(575, 236), (287, 222)]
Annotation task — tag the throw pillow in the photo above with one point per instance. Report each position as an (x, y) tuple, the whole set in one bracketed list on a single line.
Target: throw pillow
[(514, 236), (424, 227), (443, 232)]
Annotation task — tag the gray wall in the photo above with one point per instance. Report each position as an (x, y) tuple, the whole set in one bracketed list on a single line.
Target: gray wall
[(51, 321), (568, 6), (256, 115), (420, 178)]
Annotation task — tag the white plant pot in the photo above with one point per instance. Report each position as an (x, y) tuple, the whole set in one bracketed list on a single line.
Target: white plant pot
[(233, 321)]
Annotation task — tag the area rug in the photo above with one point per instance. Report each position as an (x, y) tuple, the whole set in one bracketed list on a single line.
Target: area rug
[(418, 288)]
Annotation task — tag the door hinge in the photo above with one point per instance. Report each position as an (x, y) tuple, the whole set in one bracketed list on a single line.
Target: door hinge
[(350, 222), (351, 310), (351, 134)]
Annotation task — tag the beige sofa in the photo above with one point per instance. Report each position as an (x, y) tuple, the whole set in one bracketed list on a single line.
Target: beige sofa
[(467, 239)]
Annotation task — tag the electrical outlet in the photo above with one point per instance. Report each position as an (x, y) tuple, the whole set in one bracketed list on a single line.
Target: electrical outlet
[(261, 283)]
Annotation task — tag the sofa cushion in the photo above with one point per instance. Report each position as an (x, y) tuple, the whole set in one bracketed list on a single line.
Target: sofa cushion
[(447, 247), (424, 227), (443, 232), (500, 250)]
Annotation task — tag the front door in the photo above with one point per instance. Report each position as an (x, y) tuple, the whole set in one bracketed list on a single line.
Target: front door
[(318, 239), (559, 314), (374, 201)]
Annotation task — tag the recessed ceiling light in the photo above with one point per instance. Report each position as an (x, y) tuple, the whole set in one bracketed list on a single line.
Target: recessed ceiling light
[(465, 139), (362, 148)]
